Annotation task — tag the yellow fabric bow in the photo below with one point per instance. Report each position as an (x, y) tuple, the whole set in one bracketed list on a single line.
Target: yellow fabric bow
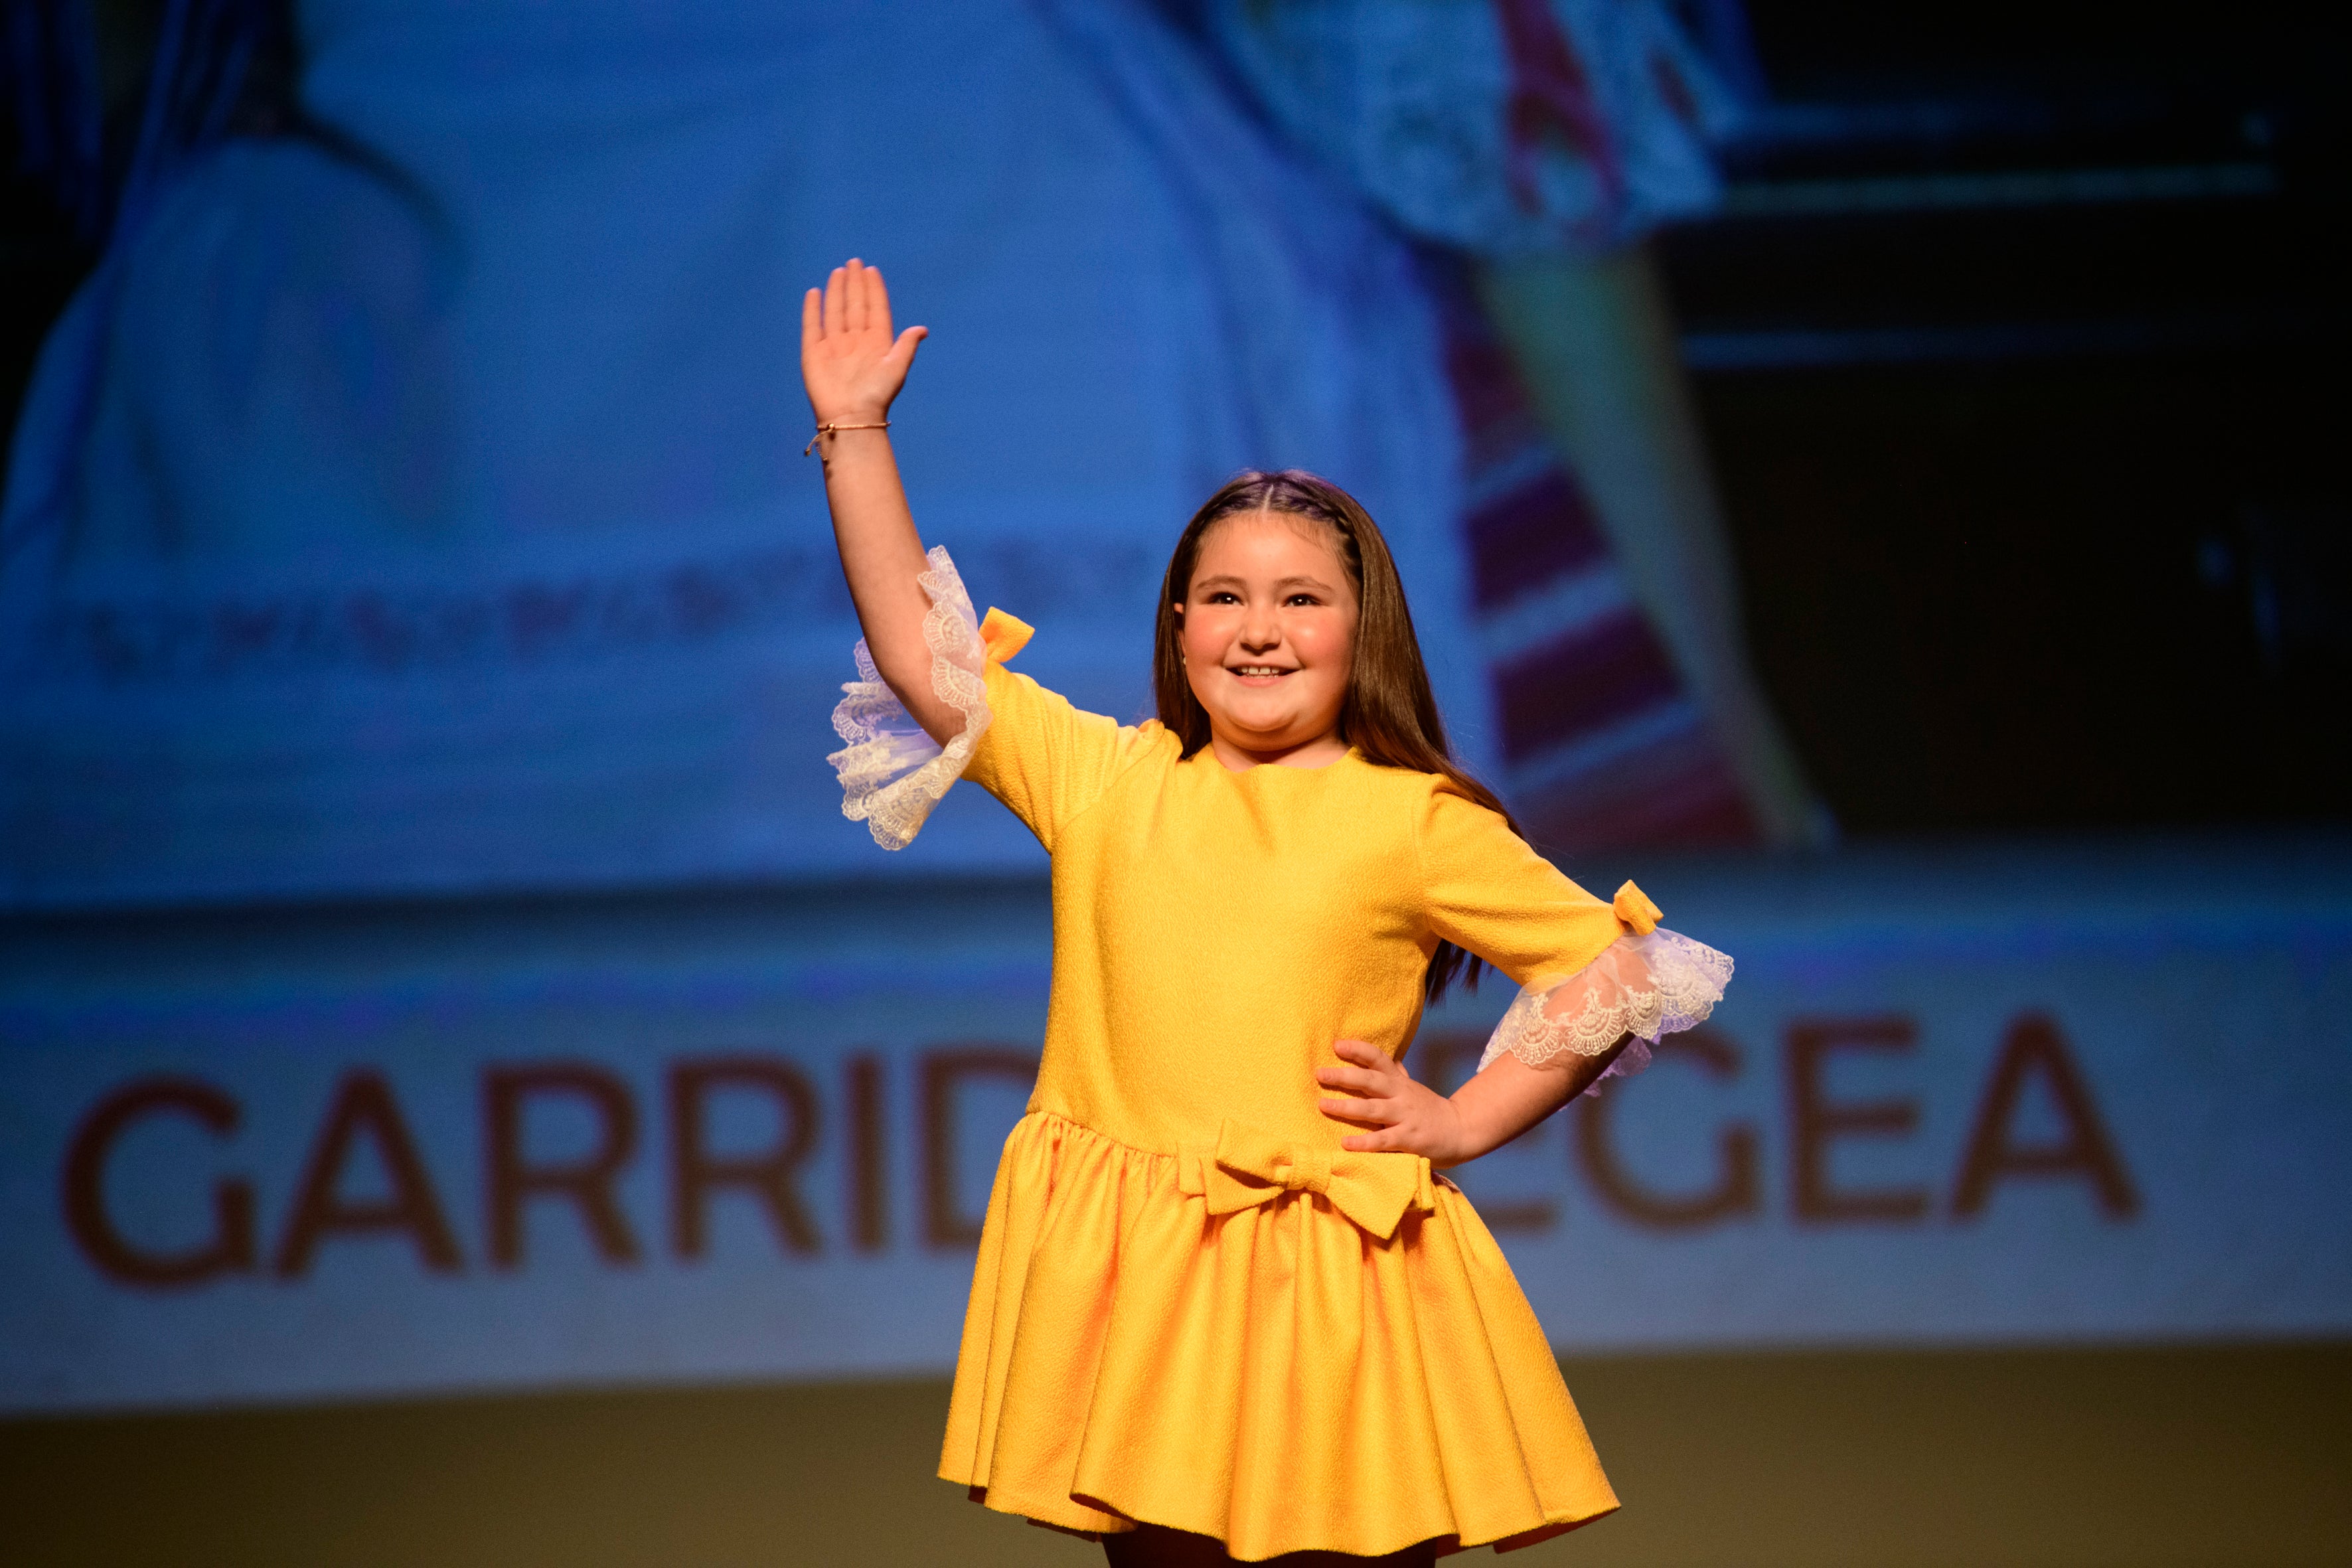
[(1003, 635), (1633, 907), (1251, 1167)]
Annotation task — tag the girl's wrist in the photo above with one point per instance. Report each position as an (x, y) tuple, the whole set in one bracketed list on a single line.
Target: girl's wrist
[(828, 434), (867, 414), (1467, 1144), (1485, 1122)]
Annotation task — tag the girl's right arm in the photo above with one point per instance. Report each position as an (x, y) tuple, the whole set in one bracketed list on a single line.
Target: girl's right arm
[(854, 366), (1042, 758)]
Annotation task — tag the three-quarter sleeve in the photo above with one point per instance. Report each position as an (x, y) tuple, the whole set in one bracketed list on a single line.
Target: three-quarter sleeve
[(1591, 973), (1486, 890)]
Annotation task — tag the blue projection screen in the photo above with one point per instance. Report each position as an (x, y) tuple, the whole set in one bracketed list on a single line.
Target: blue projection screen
[(434, 520), (646, 1143)]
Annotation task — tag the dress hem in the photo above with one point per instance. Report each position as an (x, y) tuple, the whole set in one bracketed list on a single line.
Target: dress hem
[(1119, 1522)]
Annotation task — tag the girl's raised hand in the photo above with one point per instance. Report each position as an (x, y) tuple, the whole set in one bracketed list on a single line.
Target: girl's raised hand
[(850, 362), (1398, 1115)]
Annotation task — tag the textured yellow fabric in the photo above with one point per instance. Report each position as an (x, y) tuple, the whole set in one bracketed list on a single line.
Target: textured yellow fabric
[(1192, 1308)]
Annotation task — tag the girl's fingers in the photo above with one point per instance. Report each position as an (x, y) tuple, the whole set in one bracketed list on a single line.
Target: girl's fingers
[(1368, 1113), (1349, 1077), (855, 299), (902, 357), (1362, 1054)]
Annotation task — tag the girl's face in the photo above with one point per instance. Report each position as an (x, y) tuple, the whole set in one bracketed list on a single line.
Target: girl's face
[(1269, 635)]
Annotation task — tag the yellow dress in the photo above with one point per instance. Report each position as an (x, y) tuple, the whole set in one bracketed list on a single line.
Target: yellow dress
[(1192, 1308)]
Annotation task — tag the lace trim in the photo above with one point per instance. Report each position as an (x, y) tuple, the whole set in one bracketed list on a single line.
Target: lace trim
[(891, 773), (1647, 986)]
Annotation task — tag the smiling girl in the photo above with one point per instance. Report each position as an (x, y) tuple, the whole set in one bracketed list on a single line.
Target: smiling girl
[(1225, 1309)]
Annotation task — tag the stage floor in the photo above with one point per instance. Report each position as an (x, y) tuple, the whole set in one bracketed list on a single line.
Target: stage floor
[(2011, 1458)]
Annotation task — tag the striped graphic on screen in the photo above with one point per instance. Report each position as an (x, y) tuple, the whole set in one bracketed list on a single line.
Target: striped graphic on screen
[(1602, 746)]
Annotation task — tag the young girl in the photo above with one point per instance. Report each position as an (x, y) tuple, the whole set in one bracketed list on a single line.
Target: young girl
[(1223, 1308)]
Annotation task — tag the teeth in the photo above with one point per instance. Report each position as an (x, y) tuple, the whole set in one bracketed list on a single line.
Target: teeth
[(1258, 669)]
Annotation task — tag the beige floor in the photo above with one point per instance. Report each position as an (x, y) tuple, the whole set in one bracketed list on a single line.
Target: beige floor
[(1976, 1459)]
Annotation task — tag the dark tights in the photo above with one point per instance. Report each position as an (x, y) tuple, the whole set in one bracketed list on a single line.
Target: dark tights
[(1150, 1546)]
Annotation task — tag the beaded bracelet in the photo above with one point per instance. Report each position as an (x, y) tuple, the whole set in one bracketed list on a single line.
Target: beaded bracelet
[(829, 429)]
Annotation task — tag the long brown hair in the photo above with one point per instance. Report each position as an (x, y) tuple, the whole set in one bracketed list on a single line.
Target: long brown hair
[(1390, 713)]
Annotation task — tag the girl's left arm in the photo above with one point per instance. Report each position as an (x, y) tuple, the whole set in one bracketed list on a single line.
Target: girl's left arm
[(1603, 983), (1504, 1099)]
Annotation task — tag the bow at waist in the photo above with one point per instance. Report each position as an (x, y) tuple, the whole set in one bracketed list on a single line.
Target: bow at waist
[(1249, 1167)]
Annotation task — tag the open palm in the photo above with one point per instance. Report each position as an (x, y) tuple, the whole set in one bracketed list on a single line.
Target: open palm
[(850, 361)]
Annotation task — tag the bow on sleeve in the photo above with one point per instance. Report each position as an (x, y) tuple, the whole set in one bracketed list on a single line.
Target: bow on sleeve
[(1250, 1167), (1003, 635), (1633, 907)]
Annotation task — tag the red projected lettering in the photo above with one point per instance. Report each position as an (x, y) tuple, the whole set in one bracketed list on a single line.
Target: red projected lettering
[(1735, 1190), (2032, 1048), (363, 1105), (586, 1182), (230, 1247), (1815, 1121), (2031, 1117), (695, 1172), (869, 1155)]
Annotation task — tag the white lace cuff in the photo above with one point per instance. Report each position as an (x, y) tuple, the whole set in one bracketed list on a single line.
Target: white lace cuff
[(1647, 986), (891, 773)]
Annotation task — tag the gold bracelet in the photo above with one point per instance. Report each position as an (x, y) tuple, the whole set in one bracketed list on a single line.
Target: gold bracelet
[(830, 428)]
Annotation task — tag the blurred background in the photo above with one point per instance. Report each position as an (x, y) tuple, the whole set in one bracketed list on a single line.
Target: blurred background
[(1875, 474)]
